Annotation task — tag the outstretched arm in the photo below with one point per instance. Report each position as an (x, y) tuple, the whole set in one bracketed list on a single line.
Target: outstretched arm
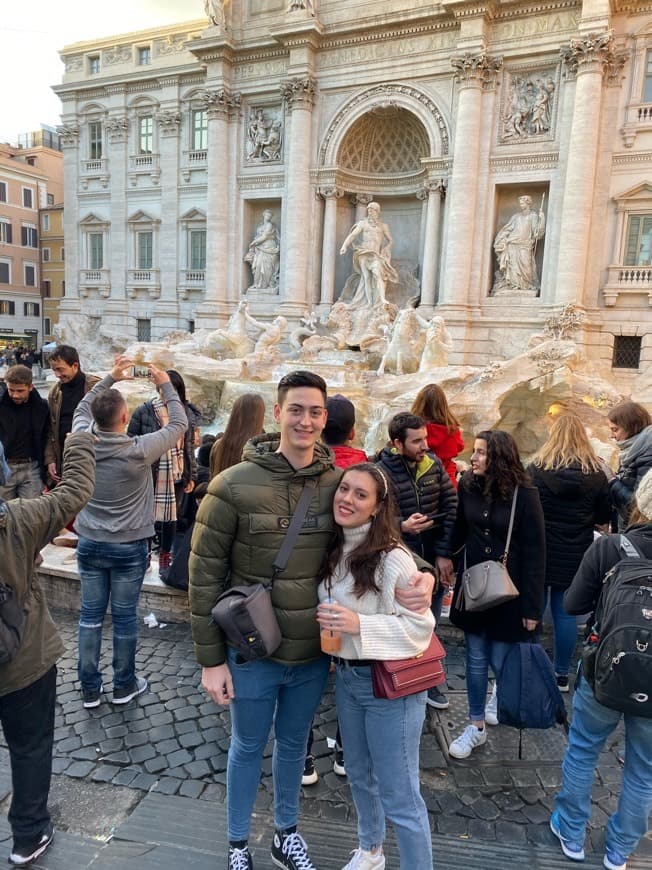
[(355, 232)]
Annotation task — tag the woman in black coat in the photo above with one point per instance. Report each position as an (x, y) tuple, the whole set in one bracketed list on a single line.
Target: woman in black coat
[(485, 500), (574, 495)]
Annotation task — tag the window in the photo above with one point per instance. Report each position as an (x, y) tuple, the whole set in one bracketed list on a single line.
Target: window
[(94, 64), (63, 288), (28, 236), (45, 255), (47, 326), (63, 253), (95, 140), (144, 55), (145, 134), (143, 330), (5, 232), (95, 250), (28, 197), (5, 272), (627, 352), (7, 307), (45, 223), (191, 326), (46, 288), (31, 161), (197, 257), (638, 250), (30, 275), (199, 130), (50, 199), (3, 191), (32, 309), (144, 258)]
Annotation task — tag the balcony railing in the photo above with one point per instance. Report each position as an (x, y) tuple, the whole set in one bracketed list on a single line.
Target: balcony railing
[(193, 277), (627, 280), (195, 157), (143, 276), (144, 163), (94, 167), (94, 277)]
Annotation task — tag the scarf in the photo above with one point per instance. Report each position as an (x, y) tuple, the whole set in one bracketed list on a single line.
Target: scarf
[(170, 471), (634, 448)]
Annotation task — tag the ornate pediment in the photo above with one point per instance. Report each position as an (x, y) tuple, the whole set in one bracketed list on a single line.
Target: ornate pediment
[(641, 192), (141, 217), (92, 220), (193, 214)]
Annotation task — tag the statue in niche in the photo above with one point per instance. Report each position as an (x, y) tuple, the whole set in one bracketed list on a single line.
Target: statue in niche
[(515, 246), (372, 254), (264, 255), (216, 12), (264, 136), (438, 344), (270, 336), (530, 111)]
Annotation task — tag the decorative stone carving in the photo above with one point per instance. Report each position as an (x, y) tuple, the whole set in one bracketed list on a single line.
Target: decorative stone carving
[(172, 45), (117, 128), (531, 101), (298, 5), (74, 64), (264, 135), (589, 49), (437, 345), (361, 199), (220, 102), (233, 342), (298, 92), (69, 134), (515, 247), (216, 12), (264, 255), (118, 54), (372, 255), (565, 323), (270, 336), (405, 346), (169, 121), (477, 69)]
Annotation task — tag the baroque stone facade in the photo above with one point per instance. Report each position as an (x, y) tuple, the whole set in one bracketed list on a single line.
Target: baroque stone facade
[(178, 140)]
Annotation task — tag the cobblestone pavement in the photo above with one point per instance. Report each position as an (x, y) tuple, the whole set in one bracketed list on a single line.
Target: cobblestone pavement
[(173, 740)]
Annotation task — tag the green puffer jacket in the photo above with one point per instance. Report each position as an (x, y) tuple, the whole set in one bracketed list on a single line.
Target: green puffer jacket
[(238, 532)]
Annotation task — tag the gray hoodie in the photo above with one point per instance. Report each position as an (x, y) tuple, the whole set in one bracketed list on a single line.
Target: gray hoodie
[(121, 508)]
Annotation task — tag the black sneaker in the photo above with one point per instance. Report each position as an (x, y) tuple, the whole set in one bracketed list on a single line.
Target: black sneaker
[(338, 762), (124, 694), (22, 855), (240, 859), (310, 775), (437, 699), (562, 682), (290, 851), (92, 697)]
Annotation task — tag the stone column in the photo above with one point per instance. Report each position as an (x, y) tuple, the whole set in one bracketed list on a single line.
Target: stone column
[(69, 133), (329, 244), (298, 95), (361, 201), (474, 72), (430, 256), (166, 309), (589, 57), (117, 131), (214, 308)]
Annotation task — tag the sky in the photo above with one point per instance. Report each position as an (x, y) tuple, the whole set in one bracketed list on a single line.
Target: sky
[(35, 30)]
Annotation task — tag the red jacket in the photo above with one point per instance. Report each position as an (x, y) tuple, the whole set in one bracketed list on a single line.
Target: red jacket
[(446, 445), (345, 455)]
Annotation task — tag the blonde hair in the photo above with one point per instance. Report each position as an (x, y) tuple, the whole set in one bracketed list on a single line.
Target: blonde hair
[(567, 444)]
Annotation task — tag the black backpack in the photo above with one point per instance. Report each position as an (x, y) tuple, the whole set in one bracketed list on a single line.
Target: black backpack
[(528, 695), (12, 624), (617, 656)]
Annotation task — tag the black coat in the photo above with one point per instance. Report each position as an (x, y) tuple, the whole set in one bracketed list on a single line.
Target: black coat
[(39, 427), (429, 493), (144, 420), (481, 528), (573, 503)]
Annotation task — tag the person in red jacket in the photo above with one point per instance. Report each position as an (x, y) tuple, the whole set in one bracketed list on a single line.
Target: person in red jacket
[(339, 431), (444, 431)]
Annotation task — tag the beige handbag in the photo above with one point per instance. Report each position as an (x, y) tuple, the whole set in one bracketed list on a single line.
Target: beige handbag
[(488, 584)]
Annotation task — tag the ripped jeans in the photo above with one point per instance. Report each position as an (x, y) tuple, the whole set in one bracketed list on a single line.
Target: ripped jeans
[(114, 570)]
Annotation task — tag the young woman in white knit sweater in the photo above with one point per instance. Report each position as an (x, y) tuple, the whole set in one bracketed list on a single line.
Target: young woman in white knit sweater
[(363, 567)]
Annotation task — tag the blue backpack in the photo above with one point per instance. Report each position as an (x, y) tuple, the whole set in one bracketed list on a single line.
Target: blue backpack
[(528, 696)]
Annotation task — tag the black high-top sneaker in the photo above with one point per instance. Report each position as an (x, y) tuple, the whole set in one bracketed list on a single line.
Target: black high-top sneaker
[(289, 850)]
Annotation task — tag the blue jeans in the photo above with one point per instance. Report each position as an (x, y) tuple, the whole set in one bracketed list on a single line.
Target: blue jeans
[(591, 725), (381, 745), (115, 570), (480, 653), (270, 693), (565, 632)]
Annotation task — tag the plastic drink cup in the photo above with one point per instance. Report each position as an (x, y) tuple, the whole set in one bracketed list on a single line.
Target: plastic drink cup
[(331, 641)]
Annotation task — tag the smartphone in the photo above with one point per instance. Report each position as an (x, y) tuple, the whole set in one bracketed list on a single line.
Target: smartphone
[(140, 371), (435, 517)]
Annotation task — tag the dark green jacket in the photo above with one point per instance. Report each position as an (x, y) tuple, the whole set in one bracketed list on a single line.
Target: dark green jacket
[(26, 525), (238, 532)]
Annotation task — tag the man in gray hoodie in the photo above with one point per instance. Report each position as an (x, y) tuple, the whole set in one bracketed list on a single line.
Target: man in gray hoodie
[(115, 526)]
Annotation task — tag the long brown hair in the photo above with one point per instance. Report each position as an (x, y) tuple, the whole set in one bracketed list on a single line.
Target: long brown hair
[(567, 444), (383, 535), (431, 404), (504, 467), (246, 420)]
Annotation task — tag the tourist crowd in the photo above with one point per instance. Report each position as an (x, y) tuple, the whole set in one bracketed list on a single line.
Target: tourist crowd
[(353, 555)]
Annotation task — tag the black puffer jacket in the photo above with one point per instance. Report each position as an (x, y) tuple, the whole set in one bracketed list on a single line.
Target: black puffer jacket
[(481, 526), (144, 421), (573, 503), (426, 489), (39, 423)]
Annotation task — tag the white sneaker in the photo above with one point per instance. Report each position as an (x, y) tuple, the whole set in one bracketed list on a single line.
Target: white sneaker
[(468, 740), (362, 860), (491, 709)]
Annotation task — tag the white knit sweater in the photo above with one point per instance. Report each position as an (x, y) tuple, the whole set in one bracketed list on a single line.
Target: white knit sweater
[(387, 630)]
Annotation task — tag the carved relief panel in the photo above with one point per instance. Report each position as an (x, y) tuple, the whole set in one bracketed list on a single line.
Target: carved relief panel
[(529, 104), (264, 134)]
